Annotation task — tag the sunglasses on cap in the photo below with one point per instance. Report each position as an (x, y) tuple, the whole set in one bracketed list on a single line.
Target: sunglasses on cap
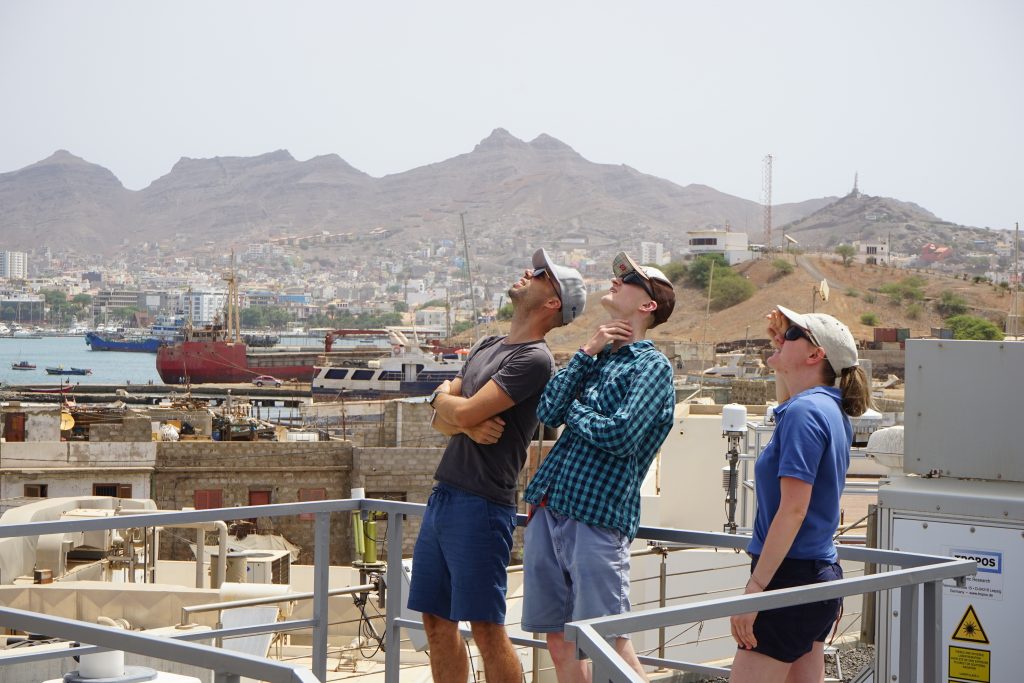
[(796, 332), (633, 278)]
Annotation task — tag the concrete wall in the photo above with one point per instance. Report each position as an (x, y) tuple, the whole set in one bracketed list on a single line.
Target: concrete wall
[(33, 454), (242, 466), (75, 482), (42, 422), (407, 425), (113, 454), (751, 391), (885, 362), (71, 468), (130, 428)]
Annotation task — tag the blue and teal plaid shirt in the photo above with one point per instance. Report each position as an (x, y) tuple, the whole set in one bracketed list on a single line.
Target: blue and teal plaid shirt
[(617, 410)]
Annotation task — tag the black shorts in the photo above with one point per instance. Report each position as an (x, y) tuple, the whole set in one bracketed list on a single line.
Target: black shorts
[(788, 633)]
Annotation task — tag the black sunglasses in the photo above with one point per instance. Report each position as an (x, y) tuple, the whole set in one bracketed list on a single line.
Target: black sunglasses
[(632, 278), (796, 332)]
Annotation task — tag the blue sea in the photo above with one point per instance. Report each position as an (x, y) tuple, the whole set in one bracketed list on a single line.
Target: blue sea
[(108, 367)]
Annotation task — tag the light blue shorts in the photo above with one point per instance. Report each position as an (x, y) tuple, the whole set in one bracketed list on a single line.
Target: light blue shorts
[(572, 571)]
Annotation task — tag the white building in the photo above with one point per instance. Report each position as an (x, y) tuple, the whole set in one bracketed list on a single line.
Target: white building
[(203, 307), (433, 316), (653, 253), (733, 245), (13, 265), (871, 252)]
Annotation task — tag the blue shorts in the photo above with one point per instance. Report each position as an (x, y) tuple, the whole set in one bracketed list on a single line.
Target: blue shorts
[(788, 633), (572, 571), (460, 563)]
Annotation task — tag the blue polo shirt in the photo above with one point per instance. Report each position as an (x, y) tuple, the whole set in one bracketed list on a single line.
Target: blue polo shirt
[(811, 443)]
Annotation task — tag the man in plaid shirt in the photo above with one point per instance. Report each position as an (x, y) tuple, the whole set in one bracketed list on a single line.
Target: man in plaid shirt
[(616, 400)]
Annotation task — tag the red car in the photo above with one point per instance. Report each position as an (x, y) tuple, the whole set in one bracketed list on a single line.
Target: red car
[(266, 379)]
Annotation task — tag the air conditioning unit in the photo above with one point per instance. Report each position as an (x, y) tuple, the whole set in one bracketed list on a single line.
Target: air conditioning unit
[(268, 566)]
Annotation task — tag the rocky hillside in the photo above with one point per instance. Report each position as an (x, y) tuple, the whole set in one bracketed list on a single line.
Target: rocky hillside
[(62, 198), (858, 216), (507, 184), (854, 292)]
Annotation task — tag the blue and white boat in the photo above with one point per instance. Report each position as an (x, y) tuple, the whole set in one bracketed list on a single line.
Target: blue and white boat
[(99, 341), (168, 327), (408, 372)]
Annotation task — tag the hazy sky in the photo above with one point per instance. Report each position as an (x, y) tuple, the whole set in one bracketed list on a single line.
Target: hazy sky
[(923, 98)]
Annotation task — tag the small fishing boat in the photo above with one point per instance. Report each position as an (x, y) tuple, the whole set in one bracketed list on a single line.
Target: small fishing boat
[(61, 370), (63, 389), (23, 365)]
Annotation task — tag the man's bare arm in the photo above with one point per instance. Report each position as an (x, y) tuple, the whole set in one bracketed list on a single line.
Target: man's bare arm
[(488, 402), (487, 431)]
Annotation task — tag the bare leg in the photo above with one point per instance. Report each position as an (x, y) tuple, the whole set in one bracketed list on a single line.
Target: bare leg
[(501, 665), (810, 668), (449, 662), (568, 669), (754, 667), (624, 646)]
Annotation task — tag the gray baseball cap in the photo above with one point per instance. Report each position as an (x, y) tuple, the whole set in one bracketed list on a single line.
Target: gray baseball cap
[(568, 285), (830, 334)]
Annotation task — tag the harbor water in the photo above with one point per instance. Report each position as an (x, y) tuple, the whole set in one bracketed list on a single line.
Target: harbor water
[(108, 367)]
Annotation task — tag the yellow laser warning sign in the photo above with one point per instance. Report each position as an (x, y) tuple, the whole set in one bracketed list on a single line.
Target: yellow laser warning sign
[(970, 629), (970, 664)]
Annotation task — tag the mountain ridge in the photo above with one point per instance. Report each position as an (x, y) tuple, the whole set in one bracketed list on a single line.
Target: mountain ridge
[(508, 184)]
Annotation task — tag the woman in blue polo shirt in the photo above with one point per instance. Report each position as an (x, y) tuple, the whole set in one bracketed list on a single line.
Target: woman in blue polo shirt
[(800, 476)]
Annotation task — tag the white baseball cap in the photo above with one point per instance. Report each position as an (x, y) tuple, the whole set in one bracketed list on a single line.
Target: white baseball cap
[(828, 333)]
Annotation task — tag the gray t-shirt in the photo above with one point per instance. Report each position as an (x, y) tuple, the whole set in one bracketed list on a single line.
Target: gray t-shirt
[(522, 371)]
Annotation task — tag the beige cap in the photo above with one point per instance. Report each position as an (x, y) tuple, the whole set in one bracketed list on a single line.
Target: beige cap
[(830, 334)]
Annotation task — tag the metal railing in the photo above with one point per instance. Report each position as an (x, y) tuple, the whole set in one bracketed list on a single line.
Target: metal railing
[(589, 636)]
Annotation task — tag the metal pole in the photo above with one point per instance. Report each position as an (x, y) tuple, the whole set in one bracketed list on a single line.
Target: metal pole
[(662, 589), (469, 276), (908, 633), (321, 584), (395, 599), (932, 630), (867, 622)]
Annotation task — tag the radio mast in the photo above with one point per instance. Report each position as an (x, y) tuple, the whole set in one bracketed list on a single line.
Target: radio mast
[(766, 191)]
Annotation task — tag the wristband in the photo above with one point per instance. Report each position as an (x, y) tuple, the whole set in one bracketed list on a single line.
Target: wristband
[(756, 582), (587, 354)]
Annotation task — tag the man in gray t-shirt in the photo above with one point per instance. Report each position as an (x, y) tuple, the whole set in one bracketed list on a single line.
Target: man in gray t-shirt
[(521, 371), (489, 411)]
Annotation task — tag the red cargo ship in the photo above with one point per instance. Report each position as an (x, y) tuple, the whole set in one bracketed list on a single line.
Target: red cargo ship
[(209, 355), (217, 354)]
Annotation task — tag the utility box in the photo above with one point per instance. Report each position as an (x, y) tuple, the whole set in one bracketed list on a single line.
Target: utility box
[(963, 497), (978, 520), (963, 412)]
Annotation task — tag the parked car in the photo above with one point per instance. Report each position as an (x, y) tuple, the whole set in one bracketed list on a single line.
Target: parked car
[(266, 379)]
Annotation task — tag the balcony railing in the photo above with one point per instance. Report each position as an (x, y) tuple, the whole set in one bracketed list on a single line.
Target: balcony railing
[(912, 571)]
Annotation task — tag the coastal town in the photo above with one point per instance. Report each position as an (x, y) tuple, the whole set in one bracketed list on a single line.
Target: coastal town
[(511, 343)]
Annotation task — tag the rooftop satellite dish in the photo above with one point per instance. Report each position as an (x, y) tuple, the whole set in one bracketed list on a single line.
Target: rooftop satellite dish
[(66, 422), (823, 290)]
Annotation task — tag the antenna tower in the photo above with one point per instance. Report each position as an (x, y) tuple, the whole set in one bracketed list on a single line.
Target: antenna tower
[(766, 189), (469, 276), (231, 306)]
